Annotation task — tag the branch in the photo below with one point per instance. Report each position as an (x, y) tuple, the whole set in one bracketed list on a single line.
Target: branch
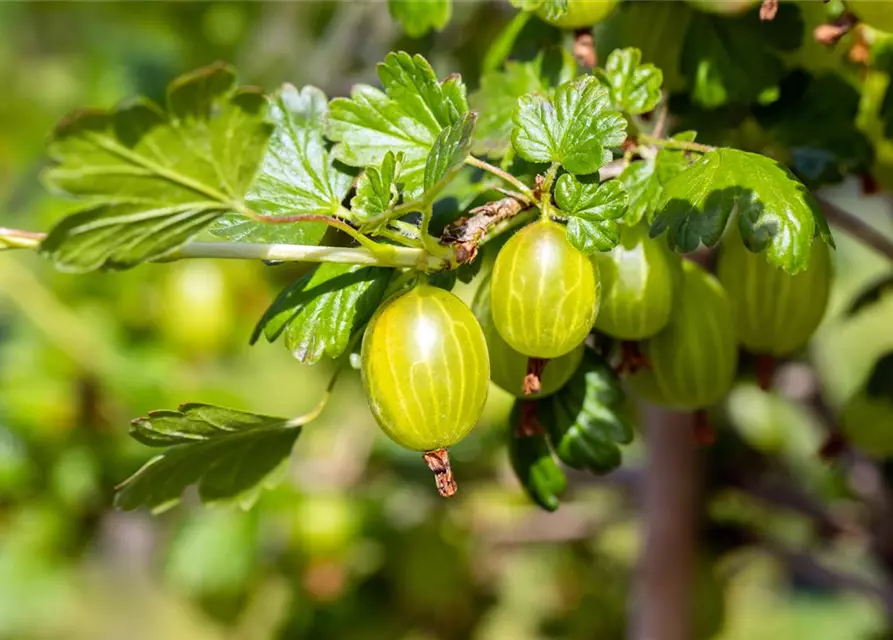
[(857, 228), (466, 234)]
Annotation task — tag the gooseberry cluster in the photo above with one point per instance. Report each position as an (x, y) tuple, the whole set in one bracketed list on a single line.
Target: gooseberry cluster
[(427, 358)]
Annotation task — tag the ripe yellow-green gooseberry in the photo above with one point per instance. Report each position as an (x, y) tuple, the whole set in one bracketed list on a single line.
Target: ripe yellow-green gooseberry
[(724, 7), (580, 13), (695, 357), (876, 14), (426, 372), (508, 367), (198, 310), (775, 312), (544, 293), (636, 286)]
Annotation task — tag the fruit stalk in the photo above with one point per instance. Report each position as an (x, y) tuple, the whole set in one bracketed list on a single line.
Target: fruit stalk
[(439, 463)]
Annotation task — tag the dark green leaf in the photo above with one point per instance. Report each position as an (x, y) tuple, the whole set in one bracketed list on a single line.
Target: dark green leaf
[(634, 87), (448, 154), (498, 96), (407, 117), (320, 311), (735, 60), (575, 128), (154, 179), (420, 16), (880, 380), (644, 180), (297, 176), (230, 454), (775, 212), (586, 420), (872, 294), (377, 188), (533, 464), (593, 211)]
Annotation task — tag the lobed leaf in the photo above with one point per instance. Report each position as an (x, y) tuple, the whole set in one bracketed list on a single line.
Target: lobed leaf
[(634, 87), (775, 211), (298, 174), (154, 178), (320, 311), (418, 17), (377, 188), (230, 454), (534, 465), (448, 154), (407, 117), (500, 90), (586, 420), (593, 210), (644, 180), (576, 128)]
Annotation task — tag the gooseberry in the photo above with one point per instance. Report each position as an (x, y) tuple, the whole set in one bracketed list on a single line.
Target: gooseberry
[(775, 312), (508, 367), (580, 13), (425, 371), (695, 357), (544, 292), (636, 286)]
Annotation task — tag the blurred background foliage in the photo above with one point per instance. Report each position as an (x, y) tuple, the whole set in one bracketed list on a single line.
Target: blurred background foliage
[(355, 544)]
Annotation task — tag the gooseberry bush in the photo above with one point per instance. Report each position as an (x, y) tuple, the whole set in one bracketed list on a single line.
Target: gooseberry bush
[(560, 189)]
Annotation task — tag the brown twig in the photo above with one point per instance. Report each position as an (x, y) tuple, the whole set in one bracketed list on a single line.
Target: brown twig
[(466, 233), (857, 228)]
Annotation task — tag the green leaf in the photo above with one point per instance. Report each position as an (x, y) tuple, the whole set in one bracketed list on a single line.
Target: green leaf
[(230, 454), (498, 95), (420, 16), (548, 9), (593, 211), (586, 420), (576, 128), (320, 311), (634, 87), (408, 117), (377, 188), (448, 154), (775, 212), (298, 174), (736, 60), (154, 179), (644, 180), (533, 464)]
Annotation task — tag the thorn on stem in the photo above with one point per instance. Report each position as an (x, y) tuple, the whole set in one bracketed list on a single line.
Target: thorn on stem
[(532, 381), (439, 463)]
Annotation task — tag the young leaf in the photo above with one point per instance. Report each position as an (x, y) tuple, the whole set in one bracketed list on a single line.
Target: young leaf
[(735, 60), (298, 174), (320, 311), (420, 16), (593, 211), (644, 180), (498, 95), (448, 154), (576, 128), (154, 179), (377, 188), (634, 87), (407, 117), (230, 454), (775, 212), (586, 420)]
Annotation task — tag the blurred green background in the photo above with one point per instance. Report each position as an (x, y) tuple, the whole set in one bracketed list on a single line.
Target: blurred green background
[(355, 544)]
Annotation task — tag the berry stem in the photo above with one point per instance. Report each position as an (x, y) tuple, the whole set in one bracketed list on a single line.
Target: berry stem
[(533, 379), (439, 462)]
